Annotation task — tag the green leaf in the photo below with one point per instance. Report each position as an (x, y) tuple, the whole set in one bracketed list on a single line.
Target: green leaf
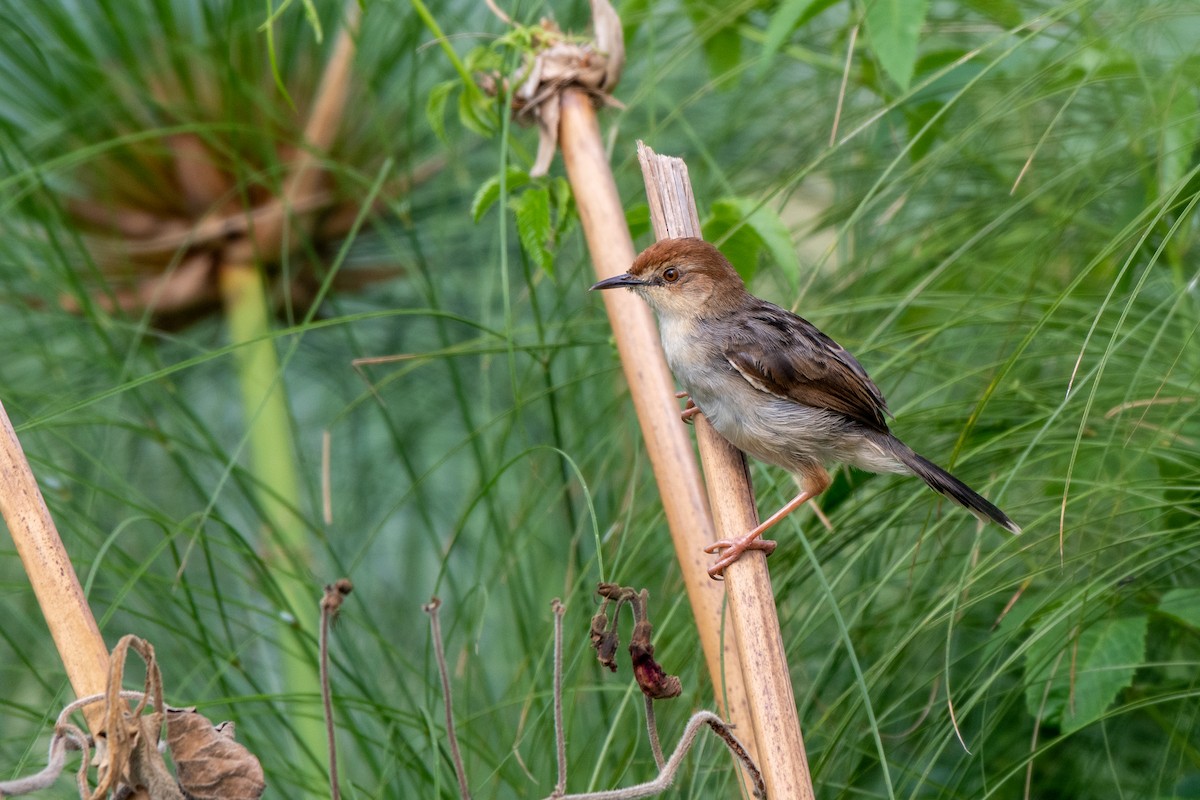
[(489, 192), (1003, 12), (723, 49), (1182, 605), (477, 111), (761, 228), (633, 14), (789, 16), (1103, 659), (719, 36), (893, 27), (777, 239), (1180, 130), (314, 20), (435, 107), (738, 241), (532, 209), (637, 218), (918, 116), (563, 202)]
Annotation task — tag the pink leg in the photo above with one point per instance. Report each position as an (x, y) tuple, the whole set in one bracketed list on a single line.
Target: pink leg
[(690, 410), (818, 478)]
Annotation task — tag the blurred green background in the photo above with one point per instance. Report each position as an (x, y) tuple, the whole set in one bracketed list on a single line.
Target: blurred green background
[(992, 204)]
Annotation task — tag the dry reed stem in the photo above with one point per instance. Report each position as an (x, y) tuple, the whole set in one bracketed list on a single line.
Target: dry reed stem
[(652, 389), (439, 652), (331, 603), (747, 582), (72, 626)]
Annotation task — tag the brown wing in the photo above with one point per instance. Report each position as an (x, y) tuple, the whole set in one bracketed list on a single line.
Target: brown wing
[(787, 356)]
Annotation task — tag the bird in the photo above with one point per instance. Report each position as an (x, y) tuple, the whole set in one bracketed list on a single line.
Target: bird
[(773, 384)]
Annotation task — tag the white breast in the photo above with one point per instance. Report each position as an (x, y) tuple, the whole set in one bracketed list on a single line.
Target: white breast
[(770, 428)]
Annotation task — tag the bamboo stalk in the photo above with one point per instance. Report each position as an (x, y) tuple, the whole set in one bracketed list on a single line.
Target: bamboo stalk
[(747, 581), (72, 626), (652, 388)]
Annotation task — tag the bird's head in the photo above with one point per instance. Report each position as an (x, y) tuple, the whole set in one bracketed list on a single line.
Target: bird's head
[(683, 277)]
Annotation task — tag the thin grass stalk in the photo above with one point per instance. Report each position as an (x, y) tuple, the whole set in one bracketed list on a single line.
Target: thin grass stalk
[(59, 594), (752, 613), (653, 391)]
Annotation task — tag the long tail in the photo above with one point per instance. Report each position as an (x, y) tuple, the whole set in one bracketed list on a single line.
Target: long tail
[(949, 486)]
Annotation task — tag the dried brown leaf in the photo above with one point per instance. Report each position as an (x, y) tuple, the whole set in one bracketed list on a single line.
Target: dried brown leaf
[(146, 775), (209, 764)]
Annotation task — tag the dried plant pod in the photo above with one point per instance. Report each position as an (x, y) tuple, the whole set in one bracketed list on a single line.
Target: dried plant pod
[(559, 62), (652, 679)]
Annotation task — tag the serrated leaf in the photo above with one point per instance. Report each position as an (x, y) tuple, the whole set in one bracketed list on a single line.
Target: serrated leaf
[(1182, 605), (435, 107), (532, 210), (1104, 658), (476, 111), (893, 27), (563, 200), (489, 192)]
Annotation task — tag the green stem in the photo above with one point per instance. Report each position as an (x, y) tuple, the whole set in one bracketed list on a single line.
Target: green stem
[(286, 551)]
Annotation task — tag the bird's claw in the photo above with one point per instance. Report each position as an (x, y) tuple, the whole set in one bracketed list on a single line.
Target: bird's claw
[(689, 410), (733, 551)]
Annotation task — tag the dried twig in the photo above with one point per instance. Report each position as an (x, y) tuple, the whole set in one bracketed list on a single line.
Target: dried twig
[(331, 604), (604, 641), (667, 776), (560, 735), (66, 736), (431, 608)]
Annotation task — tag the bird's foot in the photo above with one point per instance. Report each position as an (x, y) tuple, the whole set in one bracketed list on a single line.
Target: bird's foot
[(733, 549), (689, 410)]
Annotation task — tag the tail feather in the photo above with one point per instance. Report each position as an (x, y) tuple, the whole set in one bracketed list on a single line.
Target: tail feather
[(949, 486)]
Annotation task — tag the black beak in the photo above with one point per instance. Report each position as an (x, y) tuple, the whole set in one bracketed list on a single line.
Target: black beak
[(617, 280)]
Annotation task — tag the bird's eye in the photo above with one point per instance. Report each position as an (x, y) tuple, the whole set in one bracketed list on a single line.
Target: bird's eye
[(670, 274)]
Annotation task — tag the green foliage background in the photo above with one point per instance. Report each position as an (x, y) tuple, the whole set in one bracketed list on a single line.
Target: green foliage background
[(1003, 230)]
